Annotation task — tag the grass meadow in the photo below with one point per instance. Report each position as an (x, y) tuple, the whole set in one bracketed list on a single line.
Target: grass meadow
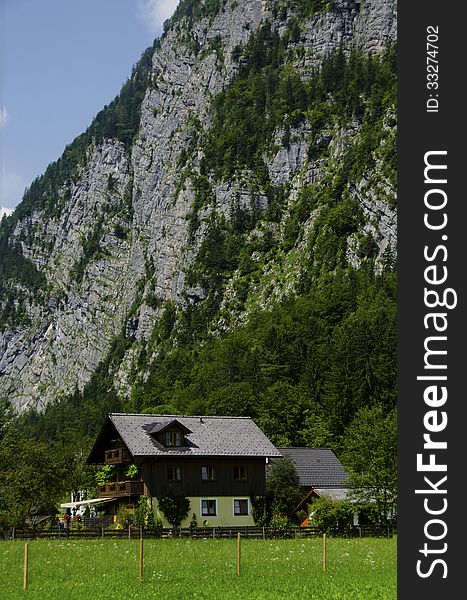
[(356, 569)]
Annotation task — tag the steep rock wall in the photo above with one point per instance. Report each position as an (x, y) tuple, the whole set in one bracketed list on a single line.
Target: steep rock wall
[(122, 237)]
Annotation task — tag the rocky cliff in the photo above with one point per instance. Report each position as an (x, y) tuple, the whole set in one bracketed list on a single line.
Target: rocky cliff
[(233, 124)]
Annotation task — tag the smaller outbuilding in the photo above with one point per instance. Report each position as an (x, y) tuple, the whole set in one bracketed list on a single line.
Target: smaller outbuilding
[(320, 474)]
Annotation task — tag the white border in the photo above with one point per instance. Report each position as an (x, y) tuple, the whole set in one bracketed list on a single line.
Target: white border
[(233, 506), (201, 507)]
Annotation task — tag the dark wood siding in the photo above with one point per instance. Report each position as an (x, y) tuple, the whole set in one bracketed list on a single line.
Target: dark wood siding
[(154, 473), (108, 439)]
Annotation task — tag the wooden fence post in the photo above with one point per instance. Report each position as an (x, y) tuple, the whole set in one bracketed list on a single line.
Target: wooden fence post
[(324, 552), (238, 554), (25, 574), (141, 559)]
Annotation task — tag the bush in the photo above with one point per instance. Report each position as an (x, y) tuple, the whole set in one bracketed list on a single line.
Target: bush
[(125, 518), (132, 471), (327, 513), (104, 474), (142, 512), (280, 523), (175, 508), (152, 523), (258, 510)]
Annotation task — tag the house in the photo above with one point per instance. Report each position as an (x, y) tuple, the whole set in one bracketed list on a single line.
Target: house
[(319, 471), (320, 474), (218, 463)]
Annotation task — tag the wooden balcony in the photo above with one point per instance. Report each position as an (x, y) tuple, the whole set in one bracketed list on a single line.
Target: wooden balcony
[(118, 456), (118, 489)]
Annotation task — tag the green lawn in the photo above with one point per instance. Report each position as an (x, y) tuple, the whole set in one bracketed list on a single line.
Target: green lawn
[(363, 569)]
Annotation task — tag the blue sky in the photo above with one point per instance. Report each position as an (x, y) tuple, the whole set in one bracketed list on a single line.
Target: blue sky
[(61, 61)]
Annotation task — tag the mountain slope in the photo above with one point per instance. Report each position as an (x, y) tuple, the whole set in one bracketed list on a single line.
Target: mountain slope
[(249, 160)]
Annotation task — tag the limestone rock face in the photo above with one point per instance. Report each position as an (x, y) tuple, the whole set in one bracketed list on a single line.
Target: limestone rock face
[(119, 248)]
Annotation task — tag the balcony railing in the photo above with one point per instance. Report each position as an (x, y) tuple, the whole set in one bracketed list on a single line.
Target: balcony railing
[(117, 456), (116, 489)]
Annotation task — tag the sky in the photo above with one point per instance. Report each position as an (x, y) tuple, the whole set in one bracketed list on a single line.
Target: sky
[(61, 62)]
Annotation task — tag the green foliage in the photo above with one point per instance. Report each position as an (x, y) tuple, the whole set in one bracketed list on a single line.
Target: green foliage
[(105, 474), (142, 512), (258, 510), (31, 479), (204, 196), (36, 474), (370, 457), (124, 517), (283, 491), (316, 432), (120, 120), (268, 93), (152, 523), (19, 280), (132, 471), (246, 114), (175, 508), (193, 11), (301, 370), (280, 523), (328, 513), (302, 8)]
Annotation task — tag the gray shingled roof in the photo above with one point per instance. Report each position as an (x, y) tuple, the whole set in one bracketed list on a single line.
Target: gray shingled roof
[(317, 467), (210, 436)]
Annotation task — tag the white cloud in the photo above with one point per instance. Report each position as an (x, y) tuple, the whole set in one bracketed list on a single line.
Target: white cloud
[(3, 116), (155, 12)]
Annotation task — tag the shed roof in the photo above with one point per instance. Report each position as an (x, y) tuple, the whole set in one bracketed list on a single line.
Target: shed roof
[(318, 468), (208, 436)]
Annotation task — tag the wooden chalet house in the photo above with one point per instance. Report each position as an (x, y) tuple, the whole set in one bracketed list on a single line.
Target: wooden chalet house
[(218, 463)]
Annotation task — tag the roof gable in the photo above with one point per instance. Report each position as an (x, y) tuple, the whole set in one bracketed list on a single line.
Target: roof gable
[(160, 427), (105, 440)]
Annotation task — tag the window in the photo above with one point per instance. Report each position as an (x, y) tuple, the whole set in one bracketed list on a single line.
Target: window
[(174, 473), (208, 507), (241, 507), (240, 473), (208, 473), (172, 439)]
